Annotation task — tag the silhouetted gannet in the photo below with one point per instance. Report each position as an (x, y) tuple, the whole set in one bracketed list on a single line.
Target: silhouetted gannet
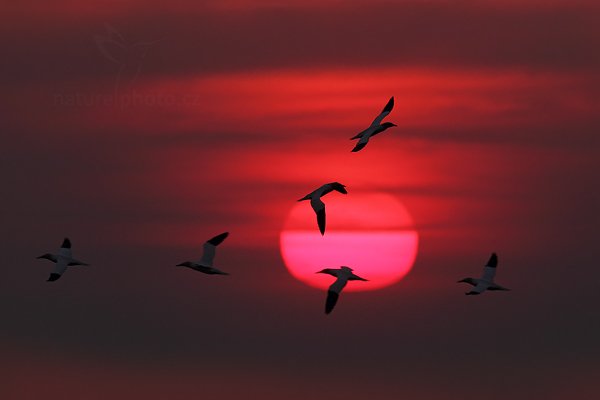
[(318, 205), (487, 279), (63, 260), (375, 128), (205, 264), (343, 275)]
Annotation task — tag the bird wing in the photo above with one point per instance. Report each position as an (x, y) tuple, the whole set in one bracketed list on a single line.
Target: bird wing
[(217, 240), (208, 255), (307, 197), (210, 247), (73, 262), (323, 190), (497, 287), (338, 187), (59, 269), (361, 143), (65, 251), (480, 287), (216, 271), (332, 299), (321, 220), (354, 277), (334, 293), (330, 187), (338, 285), (319, 207), (386, 110), (489, 271)]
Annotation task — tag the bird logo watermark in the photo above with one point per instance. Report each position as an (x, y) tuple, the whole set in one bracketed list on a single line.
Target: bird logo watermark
[(128, 56)]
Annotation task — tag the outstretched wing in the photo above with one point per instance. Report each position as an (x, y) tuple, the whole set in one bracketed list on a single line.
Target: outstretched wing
[(321, 220), (59, 269), (319, 207), (354, 277), (386, 110), (338, 187), (338, 285), (65, 248), (210, 248), (217, 240), (208, 255), (497, 287), (361, 143), (330, 187), (489, 271), (478, 289), (332, 298), (333, 293)]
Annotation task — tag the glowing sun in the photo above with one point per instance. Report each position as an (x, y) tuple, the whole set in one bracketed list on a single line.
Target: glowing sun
[(372, 233)]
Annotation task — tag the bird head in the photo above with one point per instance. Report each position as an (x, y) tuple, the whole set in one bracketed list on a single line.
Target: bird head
[(388, 125)]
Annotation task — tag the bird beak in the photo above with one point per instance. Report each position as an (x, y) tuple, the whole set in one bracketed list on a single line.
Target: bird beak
[(180, 265)]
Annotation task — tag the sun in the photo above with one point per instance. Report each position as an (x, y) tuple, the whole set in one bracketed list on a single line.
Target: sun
[(372, 233)]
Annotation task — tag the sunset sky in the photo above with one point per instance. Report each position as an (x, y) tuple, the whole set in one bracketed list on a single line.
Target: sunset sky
[(140, 129)]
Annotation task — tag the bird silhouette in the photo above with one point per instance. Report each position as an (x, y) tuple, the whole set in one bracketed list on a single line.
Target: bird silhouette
[(486, 282), (375, 128)]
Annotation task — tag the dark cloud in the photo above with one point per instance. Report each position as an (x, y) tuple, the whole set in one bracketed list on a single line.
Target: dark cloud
[(438, 35)]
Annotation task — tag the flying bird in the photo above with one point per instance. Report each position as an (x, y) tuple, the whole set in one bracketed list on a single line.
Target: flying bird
[(63, 260), (486, 282), (343, 275), (318, 205), (375, 128), (205, 264)]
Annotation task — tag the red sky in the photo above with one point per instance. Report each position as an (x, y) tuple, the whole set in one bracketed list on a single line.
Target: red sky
[(141, 129)]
